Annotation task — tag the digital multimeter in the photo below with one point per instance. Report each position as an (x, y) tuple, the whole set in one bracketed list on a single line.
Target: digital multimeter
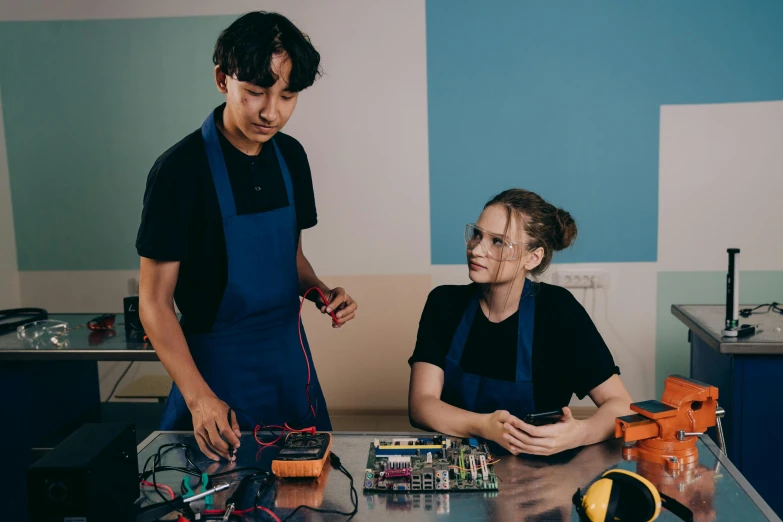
[(302, 455)]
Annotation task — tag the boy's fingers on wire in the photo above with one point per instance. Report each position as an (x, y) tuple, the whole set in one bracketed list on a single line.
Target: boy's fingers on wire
[(204, 447), (336, 298), (216, 442), (235, 424), (228, 434), (347, 318)]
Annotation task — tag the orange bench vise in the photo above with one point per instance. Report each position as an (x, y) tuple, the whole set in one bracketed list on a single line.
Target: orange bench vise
[(666, 431)]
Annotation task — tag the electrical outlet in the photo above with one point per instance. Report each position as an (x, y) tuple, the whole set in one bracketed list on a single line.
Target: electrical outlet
[(581, 278)]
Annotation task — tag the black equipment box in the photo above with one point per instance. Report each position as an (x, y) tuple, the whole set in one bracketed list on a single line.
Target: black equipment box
[(93, 475)]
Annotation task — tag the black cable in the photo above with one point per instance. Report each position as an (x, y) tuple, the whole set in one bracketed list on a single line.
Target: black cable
[(270, 480), (145, 473), (237, 497), (238, 470), (194, 470), (253, 421), (774, 306), (336, 464), (160, 469), (156, 460), (116, 384)]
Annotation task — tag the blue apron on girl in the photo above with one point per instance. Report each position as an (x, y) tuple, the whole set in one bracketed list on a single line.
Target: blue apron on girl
[(484, 394), (252, 360)]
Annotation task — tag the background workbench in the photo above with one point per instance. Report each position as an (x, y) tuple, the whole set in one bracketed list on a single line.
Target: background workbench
[(531, 488), (51, 391), (747, 372)]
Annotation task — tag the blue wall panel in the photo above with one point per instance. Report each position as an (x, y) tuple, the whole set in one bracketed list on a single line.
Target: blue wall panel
[(563, 98)]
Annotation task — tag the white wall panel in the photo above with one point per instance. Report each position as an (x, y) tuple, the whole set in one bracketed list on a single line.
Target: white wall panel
[(721, 184)]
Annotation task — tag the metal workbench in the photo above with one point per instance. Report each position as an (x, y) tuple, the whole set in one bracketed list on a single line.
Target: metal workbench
[(51, 390), (531, 488), (707, 321), (83, 344), (747, 372)]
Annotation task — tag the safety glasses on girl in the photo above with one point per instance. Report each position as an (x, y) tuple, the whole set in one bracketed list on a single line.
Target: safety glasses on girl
[(495, 247)]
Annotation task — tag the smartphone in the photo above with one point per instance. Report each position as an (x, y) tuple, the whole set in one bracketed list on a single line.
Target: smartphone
[(543, 418)]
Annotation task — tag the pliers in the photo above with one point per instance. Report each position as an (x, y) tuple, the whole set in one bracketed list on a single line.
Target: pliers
[(201, 504)]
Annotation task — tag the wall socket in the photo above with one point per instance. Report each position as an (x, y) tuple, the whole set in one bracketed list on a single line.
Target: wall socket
[(581, 278)]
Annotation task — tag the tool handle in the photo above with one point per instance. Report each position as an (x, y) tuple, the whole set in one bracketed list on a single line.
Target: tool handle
[(206, 493)]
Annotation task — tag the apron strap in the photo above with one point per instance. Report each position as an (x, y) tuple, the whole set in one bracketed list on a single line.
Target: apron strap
[(217, 166), (463, 330), (527, 314), (289, 186), (525, 331)]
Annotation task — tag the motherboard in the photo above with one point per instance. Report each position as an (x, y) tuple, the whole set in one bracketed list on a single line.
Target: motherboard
[(432, 463)]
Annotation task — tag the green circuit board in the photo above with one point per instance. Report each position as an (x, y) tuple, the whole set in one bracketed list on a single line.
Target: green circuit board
[(434, 463)]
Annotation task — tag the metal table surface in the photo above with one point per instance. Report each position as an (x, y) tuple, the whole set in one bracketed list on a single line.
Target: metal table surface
[(531, 488), (82, 344), (707, 321)]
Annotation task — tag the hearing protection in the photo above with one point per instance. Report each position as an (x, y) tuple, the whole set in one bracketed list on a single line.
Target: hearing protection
[(625, 496)]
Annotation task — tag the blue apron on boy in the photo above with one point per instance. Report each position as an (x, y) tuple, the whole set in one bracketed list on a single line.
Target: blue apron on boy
[(483, 394), (252, 359)]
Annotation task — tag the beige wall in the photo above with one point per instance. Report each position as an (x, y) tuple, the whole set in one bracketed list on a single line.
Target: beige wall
[(363, 365), (9, 276), (365, 133)]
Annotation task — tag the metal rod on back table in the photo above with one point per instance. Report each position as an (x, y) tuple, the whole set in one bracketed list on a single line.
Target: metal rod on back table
[(732, 290)]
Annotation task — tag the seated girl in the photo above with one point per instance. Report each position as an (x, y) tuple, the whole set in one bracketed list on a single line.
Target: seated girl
[(491, 352)]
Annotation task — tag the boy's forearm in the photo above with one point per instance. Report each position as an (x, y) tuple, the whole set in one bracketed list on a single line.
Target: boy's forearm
[(308, 278), (164, 331)]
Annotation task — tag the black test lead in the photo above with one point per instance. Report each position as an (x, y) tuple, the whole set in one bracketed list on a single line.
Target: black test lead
[(230, 446)]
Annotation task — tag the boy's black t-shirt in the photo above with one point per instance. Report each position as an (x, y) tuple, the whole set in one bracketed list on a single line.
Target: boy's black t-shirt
[(181, 219)]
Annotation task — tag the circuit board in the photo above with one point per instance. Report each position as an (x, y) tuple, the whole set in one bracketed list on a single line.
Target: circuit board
[(429, 464)]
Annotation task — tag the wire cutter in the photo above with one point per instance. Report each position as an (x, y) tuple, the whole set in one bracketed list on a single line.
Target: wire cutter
[(201, 504)]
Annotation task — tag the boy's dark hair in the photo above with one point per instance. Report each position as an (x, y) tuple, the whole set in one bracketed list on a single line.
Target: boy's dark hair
[(246, 47)]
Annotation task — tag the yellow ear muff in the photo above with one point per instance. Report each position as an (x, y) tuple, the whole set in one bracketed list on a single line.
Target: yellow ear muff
[(596, 500), (625, 496)]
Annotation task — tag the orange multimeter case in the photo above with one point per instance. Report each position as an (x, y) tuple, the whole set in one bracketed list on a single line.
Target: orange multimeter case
[(302, 455)]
